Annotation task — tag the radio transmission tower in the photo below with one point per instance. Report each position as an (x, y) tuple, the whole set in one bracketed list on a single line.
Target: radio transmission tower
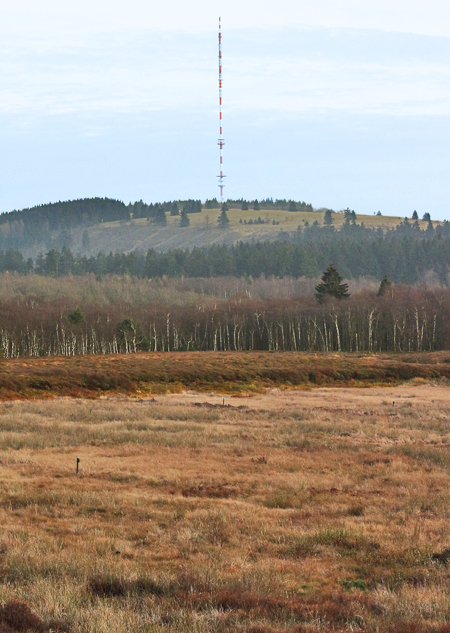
[(221, 142)]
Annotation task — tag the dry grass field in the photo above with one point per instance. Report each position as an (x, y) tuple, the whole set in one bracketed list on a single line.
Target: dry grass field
[(300, 511)]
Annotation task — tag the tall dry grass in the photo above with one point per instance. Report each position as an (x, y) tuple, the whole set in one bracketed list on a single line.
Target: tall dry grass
[(292, 511)]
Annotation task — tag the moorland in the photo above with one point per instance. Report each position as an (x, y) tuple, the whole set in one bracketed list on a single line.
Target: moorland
[(192, 439), (289, 511)]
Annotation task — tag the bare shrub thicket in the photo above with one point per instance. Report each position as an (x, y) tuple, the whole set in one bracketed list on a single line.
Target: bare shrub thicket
[(42, 316)]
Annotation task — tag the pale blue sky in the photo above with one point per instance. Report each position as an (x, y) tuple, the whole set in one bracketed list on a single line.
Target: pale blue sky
[(336, 103)]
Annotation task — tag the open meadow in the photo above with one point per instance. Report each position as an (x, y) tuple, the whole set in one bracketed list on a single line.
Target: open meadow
[(291, 510)]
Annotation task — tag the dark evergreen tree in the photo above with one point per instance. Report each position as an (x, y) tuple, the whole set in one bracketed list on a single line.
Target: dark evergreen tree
[(426, 217), (75, 317), (174, 209), (85, 240), (414, 215), (223, 221), (385, 286), (331, 285), (328, 218), (244, 206), (292, 206), (256, 206), (184, 219), (160, 215)]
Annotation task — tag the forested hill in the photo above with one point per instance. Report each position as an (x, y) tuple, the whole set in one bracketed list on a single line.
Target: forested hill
[(95, 225), (66, 215), (405, 253)]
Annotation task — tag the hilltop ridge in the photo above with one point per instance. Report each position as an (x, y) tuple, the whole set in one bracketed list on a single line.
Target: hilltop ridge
[(94, 225)]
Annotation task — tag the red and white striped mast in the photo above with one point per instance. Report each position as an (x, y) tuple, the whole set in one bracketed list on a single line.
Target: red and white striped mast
[(221, 142)]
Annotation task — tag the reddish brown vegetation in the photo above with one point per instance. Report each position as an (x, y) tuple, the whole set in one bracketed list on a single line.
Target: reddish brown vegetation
[(17, 617), (227, 372), (405, 319)]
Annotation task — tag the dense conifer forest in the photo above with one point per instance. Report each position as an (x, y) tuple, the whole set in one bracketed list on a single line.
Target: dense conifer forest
[(406, 254)]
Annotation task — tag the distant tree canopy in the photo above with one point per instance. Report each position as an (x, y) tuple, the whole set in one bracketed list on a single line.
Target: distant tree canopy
[(270, 204), (192, 206), (211, 204), (58, 215)]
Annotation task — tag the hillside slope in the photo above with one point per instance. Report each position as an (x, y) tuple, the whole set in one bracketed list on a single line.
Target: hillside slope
[(141, 233)]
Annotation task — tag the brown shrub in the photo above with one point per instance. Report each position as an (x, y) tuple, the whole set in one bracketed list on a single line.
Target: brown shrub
[(336, 609), (218, 491), (107, 587), (405, 627), (442, 557), (19, 617)]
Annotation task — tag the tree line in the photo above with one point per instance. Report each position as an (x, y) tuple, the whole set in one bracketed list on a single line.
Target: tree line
[(404, 319), (258, 205)]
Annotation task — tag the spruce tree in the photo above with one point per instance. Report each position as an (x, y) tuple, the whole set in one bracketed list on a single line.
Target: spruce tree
[(328, 218), (160, 216), (76, 317), (331, 285), (385, 286), (223, 220), (415, 216), (184, 219), (85, 240)]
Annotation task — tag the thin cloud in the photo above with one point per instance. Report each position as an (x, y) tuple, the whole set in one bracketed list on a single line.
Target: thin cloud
[(134, 73)]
